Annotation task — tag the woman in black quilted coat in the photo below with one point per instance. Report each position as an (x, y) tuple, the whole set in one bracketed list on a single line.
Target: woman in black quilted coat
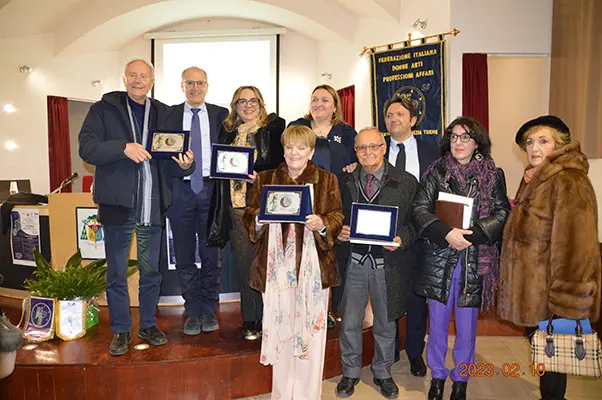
[(459, 267)]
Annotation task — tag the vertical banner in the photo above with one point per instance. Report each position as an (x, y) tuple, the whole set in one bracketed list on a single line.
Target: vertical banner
[(416, 72), (25, 235)]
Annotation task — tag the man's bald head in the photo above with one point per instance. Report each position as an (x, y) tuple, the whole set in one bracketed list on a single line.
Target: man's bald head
[(370, 148)]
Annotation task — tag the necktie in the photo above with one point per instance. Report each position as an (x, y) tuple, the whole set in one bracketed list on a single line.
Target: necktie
[(401, 157), (196, 179), (369, 187)]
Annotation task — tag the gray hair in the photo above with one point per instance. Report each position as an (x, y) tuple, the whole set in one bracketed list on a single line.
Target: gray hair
[(133, 60), (194, 68), (370, 128)]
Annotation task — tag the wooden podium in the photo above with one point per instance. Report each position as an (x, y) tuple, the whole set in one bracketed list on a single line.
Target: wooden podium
[(63, 235)]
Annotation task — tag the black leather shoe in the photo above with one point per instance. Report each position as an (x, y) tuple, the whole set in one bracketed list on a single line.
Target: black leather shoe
[(209, 323), (346, 387), (248, 330), (192, 326), (154, 336), (458, 391), (119, 344), (388, 388), (417, 366), (436, 390), (330, 322)]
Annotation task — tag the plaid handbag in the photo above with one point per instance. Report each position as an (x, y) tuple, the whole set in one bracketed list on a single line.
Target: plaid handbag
[(577, 354)]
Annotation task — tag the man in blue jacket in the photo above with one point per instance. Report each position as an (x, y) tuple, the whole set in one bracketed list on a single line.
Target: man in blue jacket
[(132, 191)]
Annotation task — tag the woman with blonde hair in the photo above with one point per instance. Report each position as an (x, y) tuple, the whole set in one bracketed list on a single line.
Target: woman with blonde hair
[(247, 125), (335, 141), (550, 263), (294, 266)]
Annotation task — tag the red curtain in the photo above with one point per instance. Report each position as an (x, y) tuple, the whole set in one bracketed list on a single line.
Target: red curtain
[(475, 88), (59, 148), (347, 96)]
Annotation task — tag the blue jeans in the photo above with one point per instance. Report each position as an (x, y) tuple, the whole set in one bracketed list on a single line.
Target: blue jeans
[(118, 239)]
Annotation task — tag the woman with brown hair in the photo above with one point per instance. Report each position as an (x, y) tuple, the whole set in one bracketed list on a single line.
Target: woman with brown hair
[(335, 142), (248, 125), (550, 261), (294, 266)]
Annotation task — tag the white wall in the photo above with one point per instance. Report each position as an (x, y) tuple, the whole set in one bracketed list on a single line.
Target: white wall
[(508, 76), (69, 76), (495, 27)]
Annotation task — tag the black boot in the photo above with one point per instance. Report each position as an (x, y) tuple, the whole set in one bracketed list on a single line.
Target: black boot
[(458, 391), (436, 390)]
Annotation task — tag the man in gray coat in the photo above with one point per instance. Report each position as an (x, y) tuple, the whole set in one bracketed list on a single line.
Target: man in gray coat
[(381, 272)]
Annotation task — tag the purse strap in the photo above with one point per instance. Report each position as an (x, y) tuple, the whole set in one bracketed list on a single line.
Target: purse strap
[(550, 349)]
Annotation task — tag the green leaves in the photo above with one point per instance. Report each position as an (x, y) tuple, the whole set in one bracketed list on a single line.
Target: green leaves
[(75, 282)]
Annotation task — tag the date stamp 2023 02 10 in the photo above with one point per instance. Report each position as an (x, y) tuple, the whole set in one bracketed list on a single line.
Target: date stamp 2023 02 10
[(507, 370)]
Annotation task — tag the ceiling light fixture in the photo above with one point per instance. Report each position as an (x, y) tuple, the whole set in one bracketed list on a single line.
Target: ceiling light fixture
[(10, 145), (96, 82), (24, 69), (9, 108)]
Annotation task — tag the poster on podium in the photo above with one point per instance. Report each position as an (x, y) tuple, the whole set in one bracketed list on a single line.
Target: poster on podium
[(24, 235)]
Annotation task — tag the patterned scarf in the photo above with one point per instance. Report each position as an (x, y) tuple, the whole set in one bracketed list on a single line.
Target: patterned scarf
[(308, 309), (484, 171), (245, 137)]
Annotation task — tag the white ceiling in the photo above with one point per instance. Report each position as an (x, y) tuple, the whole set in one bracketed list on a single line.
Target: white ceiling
[(84, 25)]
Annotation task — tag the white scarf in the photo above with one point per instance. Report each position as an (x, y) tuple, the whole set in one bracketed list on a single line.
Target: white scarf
[(309, 311)]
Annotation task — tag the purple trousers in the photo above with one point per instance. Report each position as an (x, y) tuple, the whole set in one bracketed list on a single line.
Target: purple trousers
[(466, 333)]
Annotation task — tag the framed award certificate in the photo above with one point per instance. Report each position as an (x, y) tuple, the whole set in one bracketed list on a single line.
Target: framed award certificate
[(167, 143), (373, 224), (231, 162), (284, 203)]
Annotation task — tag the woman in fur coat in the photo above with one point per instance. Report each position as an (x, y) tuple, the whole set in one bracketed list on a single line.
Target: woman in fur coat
[(550, 261)]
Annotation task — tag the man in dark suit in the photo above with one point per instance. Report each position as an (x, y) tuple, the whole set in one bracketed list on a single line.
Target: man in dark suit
[(379, 272), (414, 156), (189, 211)]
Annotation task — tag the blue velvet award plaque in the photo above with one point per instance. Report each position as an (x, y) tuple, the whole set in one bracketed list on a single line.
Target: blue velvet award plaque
[(284, 203), (373, 224)]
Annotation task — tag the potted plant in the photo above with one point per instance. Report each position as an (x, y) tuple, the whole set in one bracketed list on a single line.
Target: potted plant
[(74, 289)]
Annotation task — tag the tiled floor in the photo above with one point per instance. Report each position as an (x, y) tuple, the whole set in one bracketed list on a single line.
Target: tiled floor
[(490, 349)]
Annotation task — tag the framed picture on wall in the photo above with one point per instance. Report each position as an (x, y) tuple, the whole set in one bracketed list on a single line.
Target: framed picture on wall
[(90, 233)]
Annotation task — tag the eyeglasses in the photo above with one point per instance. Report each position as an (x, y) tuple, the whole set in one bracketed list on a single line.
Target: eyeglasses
[(371, 147), (251, 102), (192, 83), (464, 138)]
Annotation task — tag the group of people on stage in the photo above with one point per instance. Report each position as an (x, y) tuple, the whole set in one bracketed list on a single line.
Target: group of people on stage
[(296, 278)]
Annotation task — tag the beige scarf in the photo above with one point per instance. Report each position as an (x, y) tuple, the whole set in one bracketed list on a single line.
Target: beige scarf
[(245, 137)]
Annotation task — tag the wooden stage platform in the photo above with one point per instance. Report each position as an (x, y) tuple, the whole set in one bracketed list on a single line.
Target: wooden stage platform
[(219, 365)]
